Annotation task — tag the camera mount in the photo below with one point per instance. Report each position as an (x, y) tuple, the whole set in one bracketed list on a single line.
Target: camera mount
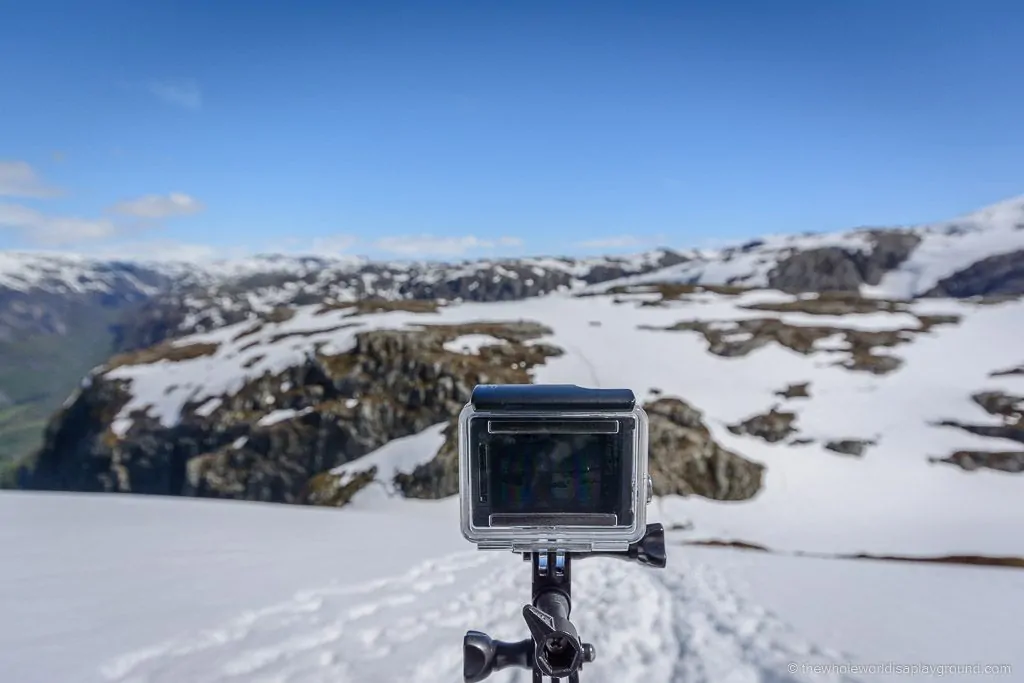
[(554, 648)]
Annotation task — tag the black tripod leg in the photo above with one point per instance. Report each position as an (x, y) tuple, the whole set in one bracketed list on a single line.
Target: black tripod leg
[(574, 677)]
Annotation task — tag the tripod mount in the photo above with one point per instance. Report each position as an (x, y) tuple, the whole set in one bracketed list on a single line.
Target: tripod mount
[(554, 648)]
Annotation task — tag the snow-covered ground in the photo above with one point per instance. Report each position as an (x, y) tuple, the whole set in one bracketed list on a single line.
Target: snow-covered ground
[(105, 589), (813, 499)]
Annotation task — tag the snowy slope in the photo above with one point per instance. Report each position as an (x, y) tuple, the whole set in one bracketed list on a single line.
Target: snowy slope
[(944, 249), (813, 499), (954, 245), (105, 589)]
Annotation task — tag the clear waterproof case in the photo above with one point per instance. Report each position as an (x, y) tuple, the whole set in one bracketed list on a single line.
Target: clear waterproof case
[(553, 467)]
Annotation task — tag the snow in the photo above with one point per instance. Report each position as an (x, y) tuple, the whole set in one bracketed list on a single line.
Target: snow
[(954, 245), (162, 389), (275, 416), (165, 590), (398, 455), (471, 343), (812, 499), (208, 407)]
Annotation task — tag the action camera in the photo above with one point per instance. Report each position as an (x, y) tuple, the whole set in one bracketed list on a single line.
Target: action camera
[(557, 466)]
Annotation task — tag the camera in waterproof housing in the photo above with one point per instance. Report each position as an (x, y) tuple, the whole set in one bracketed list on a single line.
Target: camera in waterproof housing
[(554, 466)]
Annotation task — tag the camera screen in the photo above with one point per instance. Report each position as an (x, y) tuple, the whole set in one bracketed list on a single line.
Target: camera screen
[(552, 473)]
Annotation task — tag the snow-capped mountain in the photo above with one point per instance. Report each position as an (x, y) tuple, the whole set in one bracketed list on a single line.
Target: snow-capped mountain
[(917, 259), (981, 253)]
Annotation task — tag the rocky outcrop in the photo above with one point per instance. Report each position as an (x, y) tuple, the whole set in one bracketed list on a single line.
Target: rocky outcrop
[(999, 275), (795, 391), (854, 447), (1000, 461), (838, 269), (1019, 370), (1010, 410), (438, 478), (862, 348), (331, 410), (684, 460), (773, 426)]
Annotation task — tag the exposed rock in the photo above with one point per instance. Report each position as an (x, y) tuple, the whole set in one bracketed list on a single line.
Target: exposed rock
[(739, 338), (890, 249), (836, 269), (1001, 404), (1002, 461), (832, 303), (800, 442), (685, 460), (1019, 370), (329, 490), (828, 268), (1010, 409), (1002, 274), (667, 292), (855, 447), (393, 383), (167, 351), (795, 391), (438, 478), (773, 426), (1005, 406)]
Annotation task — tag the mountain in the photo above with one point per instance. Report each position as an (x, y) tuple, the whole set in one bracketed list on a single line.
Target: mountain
[(61, 315), (979, 254)]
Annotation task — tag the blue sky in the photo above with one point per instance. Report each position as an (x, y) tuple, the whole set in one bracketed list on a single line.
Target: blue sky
[(460, 129)]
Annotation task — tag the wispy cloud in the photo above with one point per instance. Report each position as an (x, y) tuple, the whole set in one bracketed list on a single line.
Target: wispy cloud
[(19, 179), (128, 217), (164, 250), (429, 245), (180, 93), (53, 231), (159, 206)]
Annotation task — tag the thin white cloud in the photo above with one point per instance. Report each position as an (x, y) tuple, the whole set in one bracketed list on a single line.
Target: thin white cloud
[(164, 250), (19, 179), (429, 245), (53, 231), (181, 93), (157, 207)]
